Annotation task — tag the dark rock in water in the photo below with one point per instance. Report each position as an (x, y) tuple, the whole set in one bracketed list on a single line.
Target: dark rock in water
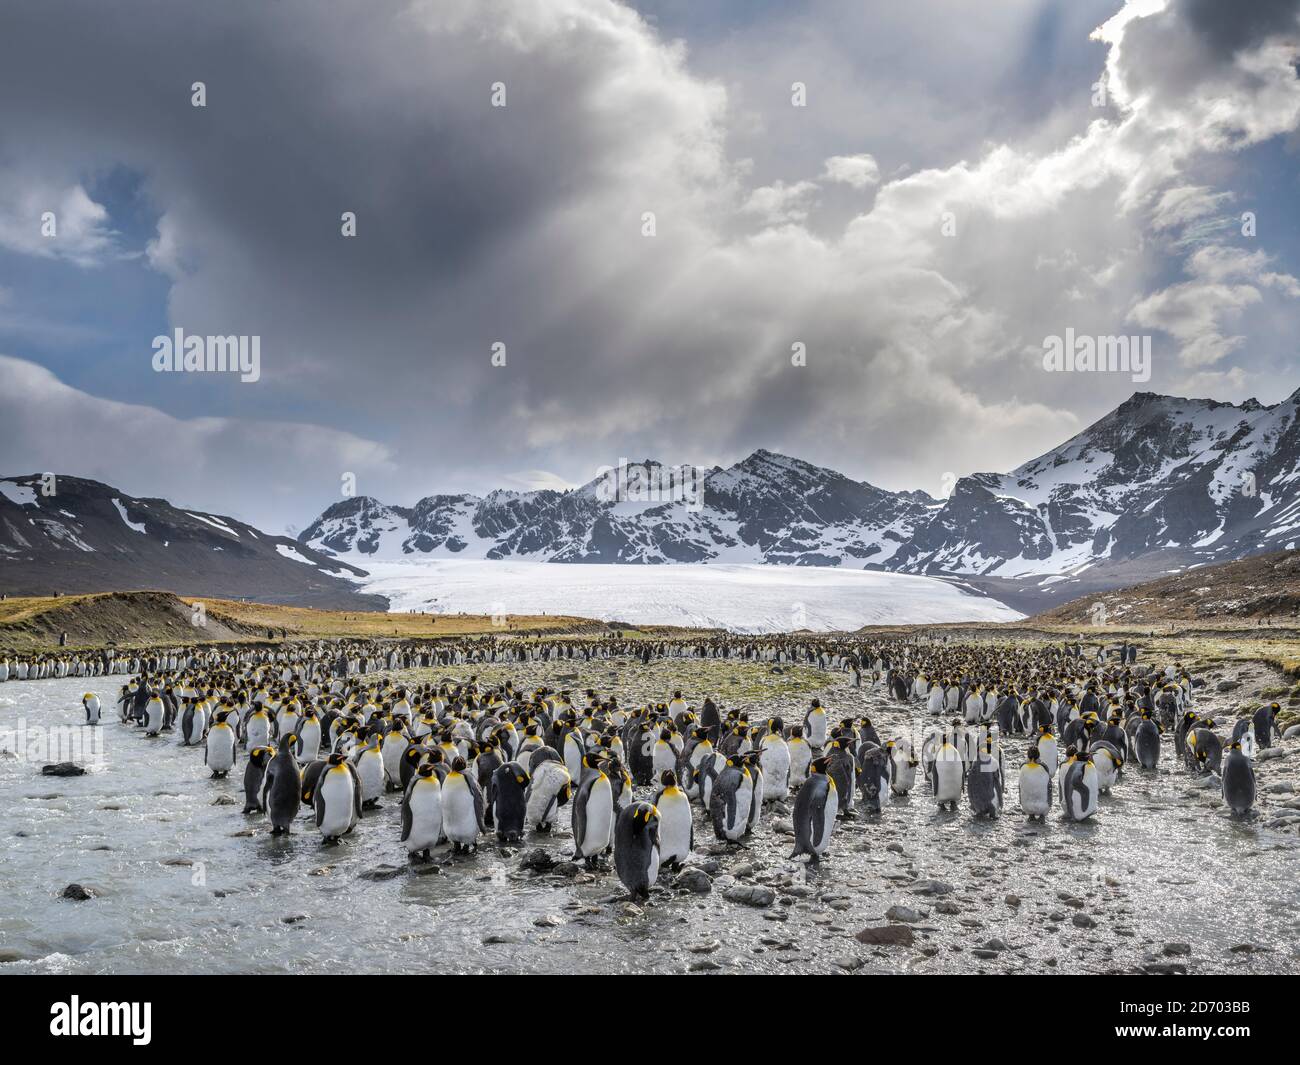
[(294, 918), (694, 880), (501, 937), (537, 861), (382, 872), (224, 800), (889, 935), (1177, 950), (1082, 920), (63, 769), (1165, 968), (1247, 948), (750, 896), (78, 893)]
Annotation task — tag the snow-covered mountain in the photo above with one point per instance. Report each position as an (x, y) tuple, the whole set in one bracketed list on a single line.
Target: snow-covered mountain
[(70, 534), (768, 508), (1158, 484)]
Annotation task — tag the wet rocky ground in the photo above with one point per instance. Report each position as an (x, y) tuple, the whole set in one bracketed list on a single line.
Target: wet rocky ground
[(1164, 879)]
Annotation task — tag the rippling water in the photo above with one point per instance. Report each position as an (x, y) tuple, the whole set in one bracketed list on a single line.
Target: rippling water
[(1157, 864)]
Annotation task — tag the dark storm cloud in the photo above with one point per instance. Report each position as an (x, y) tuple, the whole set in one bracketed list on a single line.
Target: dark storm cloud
[(524, 225)]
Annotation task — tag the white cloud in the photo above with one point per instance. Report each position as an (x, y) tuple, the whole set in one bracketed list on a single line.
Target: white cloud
[(858, 171)]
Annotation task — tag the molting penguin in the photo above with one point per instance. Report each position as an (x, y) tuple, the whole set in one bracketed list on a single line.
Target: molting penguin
[(422, 812), (549, 788), (902, 767), (1238, 781), (1035, 787), (676, 826), (815, 809), (636, 848), (509, 804), (220, 746), (338, 799)]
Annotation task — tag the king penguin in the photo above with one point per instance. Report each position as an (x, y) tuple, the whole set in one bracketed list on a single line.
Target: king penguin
[(1238, 781), (509, 804), (338, 799), (676, 826), (815, 809), (1035, 787), (422, 812), (220, 746), (280, 793), (90, 703), (636, 848)]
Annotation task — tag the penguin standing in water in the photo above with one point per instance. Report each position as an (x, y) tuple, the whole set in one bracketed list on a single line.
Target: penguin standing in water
[(281, 791), (422, 812), (1146, 741), (462, 808), (1243, 736), (729, 801), (1238, 781), (1078, 784), (676, 826), (509, 804), (90, 703), (815, 809), (155, 715), (1035, 787), (338, 799), (636, 848), (220, 747), (254, 774), (593, 816)]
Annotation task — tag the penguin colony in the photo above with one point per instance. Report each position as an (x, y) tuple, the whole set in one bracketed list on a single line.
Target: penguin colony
[(465, 760)]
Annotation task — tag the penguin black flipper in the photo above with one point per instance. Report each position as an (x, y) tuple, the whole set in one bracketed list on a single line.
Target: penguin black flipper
[(356, 790), (580, 819), (406, 814)]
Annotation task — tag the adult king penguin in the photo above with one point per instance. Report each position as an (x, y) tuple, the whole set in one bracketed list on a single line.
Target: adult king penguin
[(815, 809), (636, 848)]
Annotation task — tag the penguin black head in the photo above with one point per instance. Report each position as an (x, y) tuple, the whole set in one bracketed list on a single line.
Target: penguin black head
[(668, 778), (819, 765), (458, 765), (337, 758), (665, 734), (1033, 754)]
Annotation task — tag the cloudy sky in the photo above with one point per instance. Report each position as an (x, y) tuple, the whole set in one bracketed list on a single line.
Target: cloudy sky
[(962, 181)]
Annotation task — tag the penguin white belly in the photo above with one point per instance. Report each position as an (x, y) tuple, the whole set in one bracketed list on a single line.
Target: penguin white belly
[(459, 818), (674, 828), (336, 796), (1047, 755), (92, 705), (947, 779), (744, 798), (600, 819), (817, 730), (1035, 792), (309, 738), (153, 717), (391, 753), (370, 771), (220, 756), (800, 759), (426, 814)]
